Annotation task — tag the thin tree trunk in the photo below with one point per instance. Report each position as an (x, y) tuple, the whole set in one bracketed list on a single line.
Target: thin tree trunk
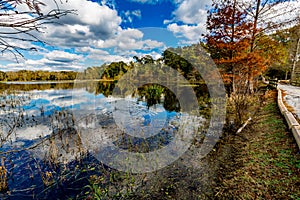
[(254, 32), (231, 51), (295, 60)]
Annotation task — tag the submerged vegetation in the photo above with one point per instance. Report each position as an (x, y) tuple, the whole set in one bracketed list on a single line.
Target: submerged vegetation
[(60, 165), (69, 170), (50, 151), (56, 158)]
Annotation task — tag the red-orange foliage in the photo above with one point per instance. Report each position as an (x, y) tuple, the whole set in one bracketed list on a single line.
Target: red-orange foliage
[(229, 42)]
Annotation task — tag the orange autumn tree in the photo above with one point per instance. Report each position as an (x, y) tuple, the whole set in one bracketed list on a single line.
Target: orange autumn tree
[(269, 16), (229, 43)]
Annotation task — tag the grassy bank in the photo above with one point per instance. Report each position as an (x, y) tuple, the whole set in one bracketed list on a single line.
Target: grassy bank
[(264, 160)]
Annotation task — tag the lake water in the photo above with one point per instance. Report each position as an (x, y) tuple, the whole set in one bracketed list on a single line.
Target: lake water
[(54, 135)]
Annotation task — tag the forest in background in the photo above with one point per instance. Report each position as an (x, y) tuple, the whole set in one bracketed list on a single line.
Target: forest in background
[(274, 57), (243, 41), (244, 44)]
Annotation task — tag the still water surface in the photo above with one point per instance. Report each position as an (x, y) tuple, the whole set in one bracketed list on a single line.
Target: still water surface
[(40, 125)]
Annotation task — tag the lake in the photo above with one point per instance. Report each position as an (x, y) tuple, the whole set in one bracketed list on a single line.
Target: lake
[(56, 136)]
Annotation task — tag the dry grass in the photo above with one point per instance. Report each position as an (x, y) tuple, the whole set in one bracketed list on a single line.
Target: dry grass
[(3, 177), (267, 163)]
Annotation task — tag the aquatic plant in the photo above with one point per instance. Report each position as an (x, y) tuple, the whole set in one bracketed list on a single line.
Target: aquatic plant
[(3, 177)]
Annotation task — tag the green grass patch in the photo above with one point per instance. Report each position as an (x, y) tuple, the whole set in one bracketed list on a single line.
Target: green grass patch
[(270, 160)]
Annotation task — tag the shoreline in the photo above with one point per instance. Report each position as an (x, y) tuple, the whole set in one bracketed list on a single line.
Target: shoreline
[(47, 82)]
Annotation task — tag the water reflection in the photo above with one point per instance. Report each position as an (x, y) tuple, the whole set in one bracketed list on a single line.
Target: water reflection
[(52, 121), (61, 92)]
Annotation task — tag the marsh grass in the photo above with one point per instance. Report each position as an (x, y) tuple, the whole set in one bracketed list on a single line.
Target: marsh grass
[(183, 179), (60, 147), (66, 165), (11, 103), (113, 185), (3, 177), (63, 147)]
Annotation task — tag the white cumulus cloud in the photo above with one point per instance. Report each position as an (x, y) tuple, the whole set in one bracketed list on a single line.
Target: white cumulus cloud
[(192, 11), (189, 19)]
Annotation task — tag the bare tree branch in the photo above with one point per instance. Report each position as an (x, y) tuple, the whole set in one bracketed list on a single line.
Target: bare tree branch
[(22, 25)]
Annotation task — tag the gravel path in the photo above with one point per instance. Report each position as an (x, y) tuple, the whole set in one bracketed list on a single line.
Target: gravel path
[(292, 97)]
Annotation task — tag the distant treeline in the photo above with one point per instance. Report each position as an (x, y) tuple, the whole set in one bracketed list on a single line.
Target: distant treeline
[(108, 72), (27, 75), (112, 71)]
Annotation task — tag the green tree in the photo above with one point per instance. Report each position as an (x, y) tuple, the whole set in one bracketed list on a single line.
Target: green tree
[(3, 76), (268, 16)]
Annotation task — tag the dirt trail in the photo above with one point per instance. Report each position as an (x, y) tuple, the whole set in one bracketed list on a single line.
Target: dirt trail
[(263, 161)]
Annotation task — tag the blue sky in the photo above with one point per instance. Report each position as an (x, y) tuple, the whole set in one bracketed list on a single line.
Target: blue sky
[(112, 30), (104, 31)]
